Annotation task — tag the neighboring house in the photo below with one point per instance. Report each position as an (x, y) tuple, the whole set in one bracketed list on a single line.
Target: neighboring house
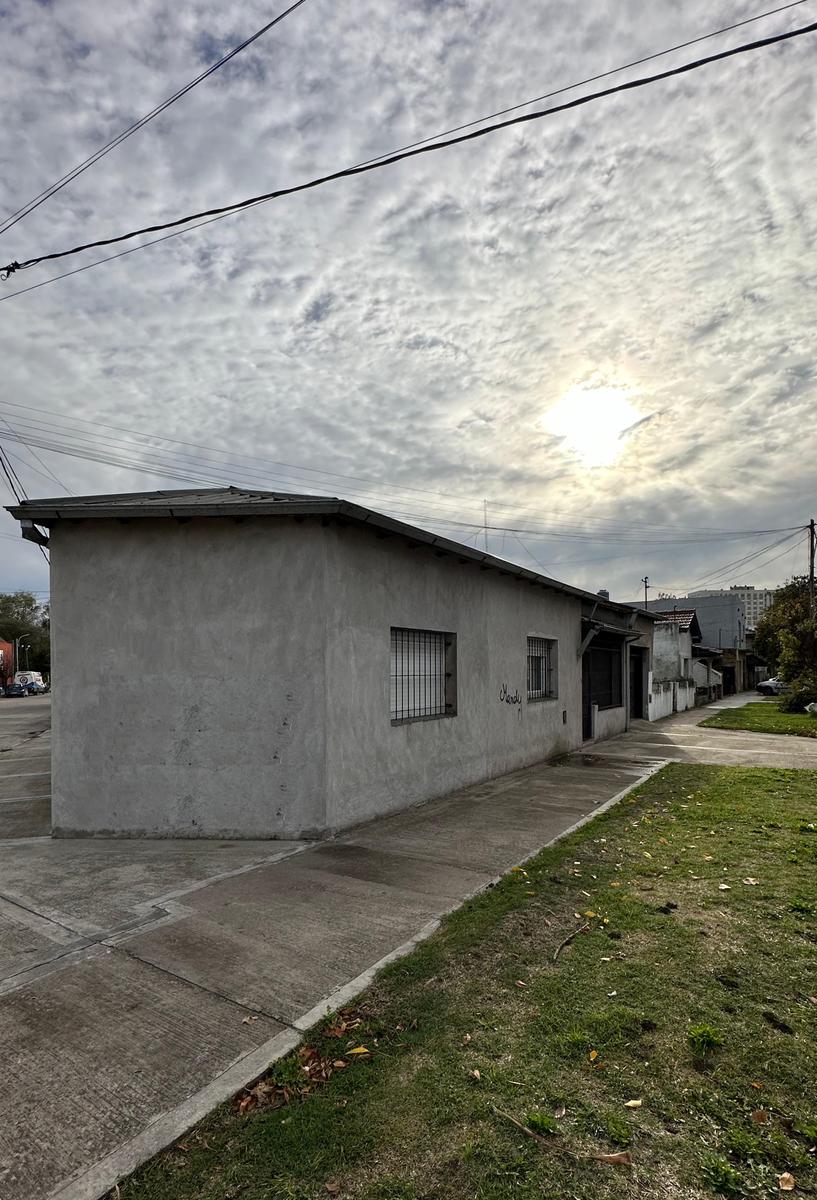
[(673, 683), (755, 600), (722, 620), (372, 665)]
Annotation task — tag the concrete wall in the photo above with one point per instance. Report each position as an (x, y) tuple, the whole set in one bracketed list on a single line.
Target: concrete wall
[(661, 699), (607, 722), (183, 703), (375, 584), (288, 733)]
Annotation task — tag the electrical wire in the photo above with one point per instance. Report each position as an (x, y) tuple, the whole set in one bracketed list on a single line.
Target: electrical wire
[(736, 564), (209, 478), (149, 441), (569, 87), (64, 180), (630, 85)]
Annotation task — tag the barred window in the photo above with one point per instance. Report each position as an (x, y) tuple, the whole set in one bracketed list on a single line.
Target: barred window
[(542, 683), (423, 674)]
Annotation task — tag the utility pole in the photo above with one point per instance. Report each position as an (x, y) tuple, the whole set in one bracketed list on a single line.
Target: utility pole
[(646, 582), (811, 539)]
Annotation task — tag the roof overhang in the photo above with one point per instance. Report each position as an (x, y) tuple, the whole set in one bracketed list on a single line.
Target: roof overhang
[(237, 504)]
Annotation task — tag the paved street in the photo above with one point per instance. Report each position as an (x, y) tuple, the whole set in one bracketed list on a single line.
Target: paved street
[(129, 969)]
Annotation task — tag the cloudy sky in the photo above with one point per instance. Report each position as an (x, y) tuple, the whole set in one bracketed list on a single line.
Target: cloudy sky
[(601, 323)]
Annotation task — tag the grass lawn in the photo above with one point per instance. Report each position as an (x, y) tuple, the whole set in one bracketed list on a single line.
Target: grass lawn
[(676, 1029), (763, 718)]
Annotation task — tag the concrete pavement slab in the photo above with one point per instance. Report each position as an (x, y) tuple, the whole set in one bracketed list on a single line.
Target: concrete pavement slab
[(92, 1055), (318, 927)]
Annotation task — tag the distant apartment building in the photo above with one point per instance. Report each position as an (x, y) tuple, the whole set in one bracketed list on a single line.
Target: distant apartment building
[(755, 600)]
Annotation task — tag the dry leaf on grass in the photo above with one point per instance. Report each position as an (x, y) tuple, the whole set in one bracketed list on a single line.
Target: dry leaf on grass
[(751, 881), (760, 1116), (475, 1074), (786, 1182), (622, 1158), (466, 1038), (332, 1187), (560, 1112), (520, 983), (593, 1055), (724, 887), (633, 1103), (359, 1050)]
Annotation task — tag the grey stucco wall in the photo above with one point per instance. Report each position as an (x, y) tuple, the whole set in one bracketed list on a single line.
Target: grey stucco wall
[(671, 646), (375, 766), (183, 702)]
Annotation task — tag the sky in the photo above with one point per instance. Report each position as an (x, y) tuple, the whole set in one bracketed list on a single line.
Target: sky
[(601, 323)]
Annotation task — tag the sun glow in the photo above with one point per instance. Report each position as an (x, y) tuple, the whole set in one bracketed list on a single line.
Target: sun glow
[(593, 421)]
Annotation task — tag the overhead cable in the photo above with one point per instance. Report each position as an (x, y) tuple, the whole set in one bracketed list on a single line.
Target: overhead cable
[(64, 180), (223, 210)]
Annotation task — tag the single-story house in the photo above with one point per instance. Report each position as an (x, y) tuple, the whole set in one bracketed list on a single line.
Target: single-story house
[(675, 634), (234, 663)]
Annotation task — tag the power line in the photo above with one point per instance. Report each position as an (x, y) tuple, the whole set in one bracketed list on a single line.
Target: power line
[(636, 62), (224, 474), (365, 163), (34, 431), (64, 180), (400, 156)]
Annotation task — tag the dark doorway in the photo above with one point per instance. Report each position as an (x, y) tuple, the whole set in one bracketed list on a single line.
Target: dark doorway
[(637, 684), (729, 688), (587, 699)]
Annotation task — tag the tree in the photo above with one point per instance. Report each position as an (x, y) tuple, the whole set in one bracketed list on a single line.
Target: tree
[(21, 616), (786, 637)]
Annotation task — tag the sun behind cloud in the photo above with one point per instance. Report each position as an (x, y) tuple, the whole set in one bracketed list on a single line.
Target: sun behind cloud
[(593, 421)]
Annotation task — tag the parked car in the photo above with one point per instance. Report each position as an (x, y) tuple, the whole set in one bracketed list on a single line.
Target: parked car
[(771, 687), (16, 689), (36, 689)]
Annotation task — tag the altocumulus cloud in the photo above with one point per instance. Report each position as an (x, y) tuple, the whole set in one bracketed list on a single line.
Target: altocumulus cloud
[(416, 325)]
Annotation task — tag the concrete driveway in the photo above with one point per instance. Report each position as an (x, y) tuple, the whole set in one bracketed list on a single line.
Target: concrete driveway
[(141, 982)]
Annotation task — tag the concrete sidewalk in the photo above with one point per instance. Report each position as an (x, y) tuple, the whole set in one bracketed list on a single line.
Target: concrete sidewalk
[(129, 969), (141, 982)]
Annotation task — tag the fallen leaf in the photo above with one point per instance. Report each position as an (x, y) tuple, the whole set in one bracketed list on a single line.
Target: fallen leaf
[(611, 994), (786, 1182), (359, 1050), (475, 1074), (340, 1064), (751, 881), (760, 1116), (249, 1020), (246, 1103), (647, 854), (594, 1055), (708, 857), (633, 1103), (623, 1158), (812, 999), (466, 1039), (606, 958), (724, 887), (520, 983), (332, 1187), (560, 1112), (755, 1084), (589, 913)]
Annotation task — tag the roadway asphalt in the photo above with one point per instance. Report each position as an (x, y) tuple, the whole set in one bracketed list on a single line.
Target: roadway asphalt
[(129, 969)]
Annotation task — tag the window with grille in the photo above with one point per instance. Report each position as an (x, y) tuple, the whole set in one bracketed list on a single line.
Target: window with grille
[(541, 668), (423, 674)]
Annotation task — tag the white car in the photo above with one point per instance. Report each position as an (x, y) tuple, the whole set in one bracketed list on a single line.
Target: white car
[(771, 687)]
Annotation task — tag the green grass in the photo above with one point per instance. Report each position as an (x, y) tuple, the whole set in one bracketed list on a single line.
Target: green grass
[(478, 1087), (764, 717)]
